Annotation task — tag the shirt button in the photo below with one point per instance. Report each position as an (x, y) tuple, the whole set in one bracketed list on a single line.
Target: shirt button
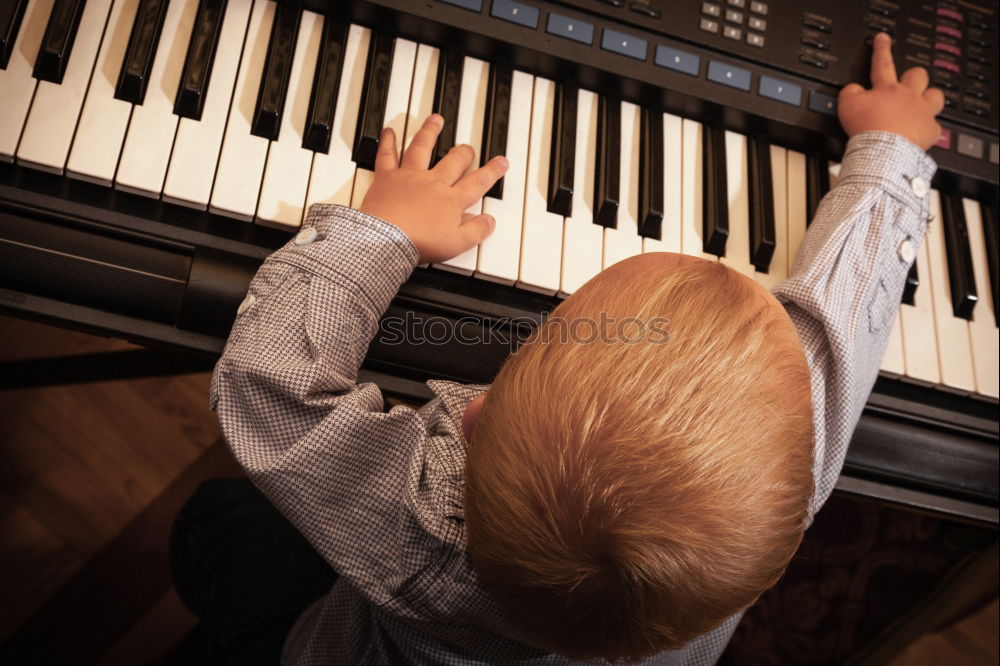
[(306, 236), (906, 251), (919, 187), (246, 304)]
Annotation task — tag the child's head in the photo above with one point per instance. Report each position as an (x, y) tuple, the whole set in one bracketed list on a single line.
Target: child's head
[(626, 494)]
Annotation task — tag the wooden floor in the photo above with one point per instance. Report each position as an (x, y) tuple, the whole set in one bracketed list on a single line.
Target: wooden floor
[(92, 475)]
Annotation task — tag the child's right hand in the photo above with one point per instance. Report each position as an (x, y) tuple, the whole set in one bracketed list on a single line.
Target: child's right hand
[(904, 106)]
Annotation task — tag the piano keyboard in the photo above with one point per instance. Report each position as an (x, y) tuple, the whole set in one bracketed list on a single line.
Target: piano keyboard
[(254, 111)]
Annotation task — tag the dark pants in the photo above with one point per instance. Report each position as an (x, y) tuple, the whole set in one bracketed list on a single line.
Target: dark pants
[(245, 571)]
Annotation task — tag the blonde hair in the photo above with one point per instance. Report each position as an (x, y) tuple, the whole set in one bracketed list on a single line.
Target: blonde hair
[(624, 497)]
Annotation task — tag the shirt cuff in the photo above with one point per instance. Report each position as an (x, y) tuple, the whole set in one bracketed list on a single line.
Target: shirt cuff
[(893, 163)]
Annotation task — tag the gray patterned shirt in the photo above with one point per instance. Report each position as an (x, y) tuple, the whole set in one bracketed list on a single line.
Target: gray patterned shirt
[(379, 494)]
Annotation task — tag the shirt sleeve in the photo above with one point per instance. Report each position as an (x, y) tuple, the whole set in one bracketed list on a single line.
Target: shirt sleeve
[(322, 449), (847, 282)]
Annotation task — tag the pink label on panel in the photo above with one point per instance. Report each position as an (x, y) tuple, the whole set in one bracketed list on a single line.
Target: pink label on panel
[(948, 48), (945, 140), (950, 66), (950, 13), (948, 30)]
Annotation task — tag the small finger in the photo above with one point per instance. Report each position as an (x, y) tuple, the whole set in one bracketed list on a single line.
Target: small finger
[(883, 68), (385, 158), (418, 153), (915, 78), (454, 165), (472, 187), (935, 99), (475, 228), (851, 89)]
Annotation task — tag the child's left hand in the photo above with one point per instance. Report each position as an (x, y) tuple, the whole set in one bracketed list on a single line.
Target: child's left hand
[(429, 204)]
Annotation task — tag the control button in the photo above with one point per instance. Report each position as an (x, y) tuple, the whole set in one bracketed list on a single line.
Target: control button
[(515, 12), (728, 75), (969, 146), (944, 141), (947, 65), (734, 16), (678, 60), (947, 48), (905, 250), (789, 93), (815, 41), (570, 28), (614, 3), (976, 72), (816, 24), (730, 32), (823, 103), (950, 13), (471, 5), (759, 8), (644, 9), (708, 25), (624, 44), (246, 304), (920, 187), (306, 236), (738, 3), (753, 39), (950, 31), (995, 153), (812, 60), (884, 10), (711, 9), (757, 23)]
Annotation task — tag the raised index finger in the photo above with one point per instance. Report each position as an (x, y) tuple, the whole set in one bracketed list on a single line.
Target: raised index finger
[(418, 153), (883, 68)]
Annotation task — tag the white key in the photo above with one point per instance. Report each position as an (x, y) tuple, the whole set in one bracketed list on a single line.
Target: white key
[(241, 164), (332, 177), (798, 211), (670, 229), (583, 241), (16, 82), (198, 143), (738, 187), (920, 351), (499, 254), (777, 270), (104, 120), (893, 361), (983, 333), (397, 100), (542, 231), (286, 174), (691, 199), (55, 109), (624, 241), (954, 350), (469, 129), (150, 137)]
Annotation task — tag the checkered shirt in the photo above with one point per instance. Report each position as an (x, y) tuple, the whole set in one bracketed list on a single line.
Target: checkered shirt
[(379, 493)]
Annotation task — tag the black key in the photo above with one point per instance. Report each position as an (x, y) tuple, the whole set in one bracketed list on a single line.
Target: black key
[(447, 90), (562, 155), (496, 121), (11, 13), (715, 191), (142, 42), (817, 184), (57, 44), (371, 113), (200, 55), (607, 176), (761, 200), (990, 236), (325, 87), (956, 243), (650, 173), (277, 70), (912, 282)]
